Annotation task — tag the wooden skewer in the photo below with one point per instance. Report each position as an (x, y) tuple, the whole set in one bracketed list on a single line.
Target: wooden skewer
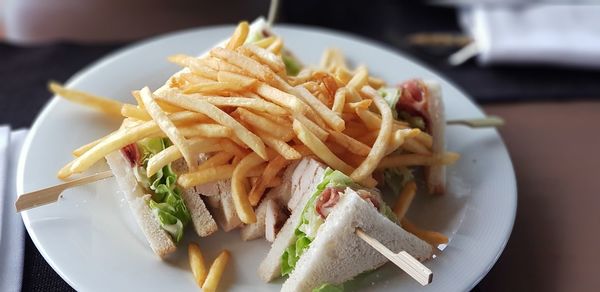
[(490, 121), (51, 194), (404, 260)]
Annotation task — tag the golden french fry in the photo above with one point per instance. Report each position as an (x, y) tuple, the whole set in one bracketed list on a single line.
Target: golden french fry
[(405, 198), (264, 43), (172, 153), (320, 149), (330, 117), (339, 100), (264, 56), (132, 111), (431, 237), (413, 146), (280, 146), (219, 116), (275, 182), (215, 272), (418, 159), (197, 264), (257, 170), (273, 167), (167, 126), (214, 88), (350, 143), (398, 138), (234, 78), (103, 104), (378, 149), (352, 106), (359, 79), (342, 75), (124, 137), (79, 151), (233, 148), (239, 36), (425, 139), (238, 188), (369, 118), (196, 65), (65, 171), (276, 46), (206, 175), (280, 98), (375, 82), (249, 103), (312, 127), (266, 125), (220, 158), (164, 106), (206, 130)]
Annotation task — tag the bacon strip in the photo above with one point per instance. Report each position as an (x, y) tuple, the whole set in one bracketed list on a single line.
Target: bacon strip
[(132, 153)]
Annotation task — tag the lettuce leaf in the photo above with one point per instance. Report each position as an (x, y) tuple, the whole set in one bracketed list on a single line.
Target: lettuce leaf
[(166, 203), (391, 96), (292, 65), (310, 220), (396, 178), (329, 288)]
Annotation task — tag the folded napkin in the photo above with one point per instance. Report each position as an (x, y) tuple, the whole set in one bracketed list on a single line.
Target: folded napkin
[(536, 33), (11, 226)]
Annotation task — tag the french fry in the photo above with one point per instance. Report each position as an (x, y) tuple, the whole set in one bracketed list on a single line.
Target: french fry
[(167, 126), (273, 167), (364, 170), (280, 146), (266, 125), (398, 138), (276, 46), (238, 188), (132, 111), (196, 65), (65, 171), (249, 103), (418, 159), (215, 272), (79, 151), (206, 175), (280, 98), (275, 182), (206, 130), (375, 82), (320, 149), (239, 36), (220, 158), (352, 106), (197, 264), (235, 78), (342, 75), (312, 127), (257, 170), (164, 106), (266, 42), (122, 138), (264, 56), (231, 147), (330, 117), (350, 143), (339, 100), (369, 118), (405, 198), (103, 104), (359, 79), (431, 237), (220, 117), (172, 153), (414, 146), (214, 87), (425, 139)]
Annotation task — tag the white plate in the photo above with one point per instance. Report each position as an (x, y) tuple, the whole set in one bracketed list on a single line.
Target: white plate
[(90, 240)]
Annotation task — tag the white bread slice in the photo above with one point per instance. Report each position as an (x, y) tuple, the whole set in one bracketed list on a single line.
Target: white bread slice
[(203, 222), (307, 175), (435, 176), (160, 241), (337, 254), (256, 230)]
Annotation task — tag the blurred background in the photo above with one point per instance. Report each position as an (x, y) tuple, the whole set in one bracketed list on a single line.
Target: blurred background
[(535, 63)]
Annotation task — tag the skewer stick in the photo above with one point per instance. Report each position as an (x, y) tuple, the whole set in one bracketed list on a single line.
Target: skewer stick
[(51, 194), (273, 9), (404, 260), (490, 121)]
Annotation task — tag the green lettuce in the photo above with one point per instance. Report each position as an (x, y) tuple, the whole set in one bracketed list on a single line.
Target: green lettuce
[(311, 221), (292, 65), (166, 202), (413, 121), (329, 288), (396, 178), (391, 96)]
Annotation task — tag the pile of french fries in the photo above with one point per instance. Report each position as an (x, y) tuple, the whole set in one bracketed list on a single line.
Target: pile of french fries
[(237, 105)]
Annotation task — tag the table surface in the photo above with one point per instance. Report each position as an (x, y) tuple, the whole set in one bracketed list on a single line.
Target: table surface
[(553, 145)]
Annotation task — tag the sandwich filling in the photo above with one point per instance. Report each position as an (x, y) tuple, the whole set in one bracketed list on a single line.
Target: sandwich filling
[(165, 200), (319, 206)]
